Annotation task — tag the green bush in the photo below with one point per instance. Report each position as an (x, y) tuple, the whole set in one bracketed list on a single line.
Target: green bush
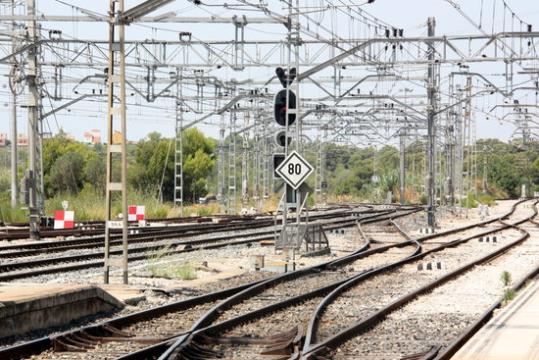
[(5, 181), (10, 215), (509, 295), (473, 200), (505, 277), (486, 199)]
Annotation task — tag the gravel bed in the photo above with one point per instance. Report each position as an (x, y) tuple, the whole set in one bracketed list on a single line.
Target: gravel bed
[(310, 282), (85, 273), (151, 242), (370, 295), (138, 268), (282, 292), (397, 335), (162, 328), (439, 317), (152, 299), (94, 275), (277, 323), (297, 315)]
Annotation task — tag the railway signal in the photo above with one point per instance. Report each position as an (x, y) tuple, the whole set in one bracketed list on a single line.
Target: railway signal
[(285, 100), (280, 107)]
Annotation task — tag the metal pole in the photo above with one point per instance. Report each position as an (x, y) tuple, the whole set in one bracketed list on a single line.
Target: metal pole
[(245, 163), (402, 163), (178, 153), (33, 117), (221, 166), (299, 200), (113, 79), (14, 155), (431, 129), (123, 127)]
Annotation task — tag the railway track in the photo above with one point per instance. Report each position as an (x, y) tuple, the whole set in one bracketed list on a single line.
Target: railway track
[(19, 269), (141, 234), (90, 228), (87, 228), (285, 343), (251, 320), (142, 324), (373, 333)]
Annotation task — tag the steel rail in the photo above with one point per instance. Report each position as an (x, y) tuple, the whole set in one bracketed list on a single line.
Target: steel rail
[(203, 325), (36, 346), (455, 346), (18, 250), (311, 349), (21, 229), (198, 223), (168, 349), (6, 273)]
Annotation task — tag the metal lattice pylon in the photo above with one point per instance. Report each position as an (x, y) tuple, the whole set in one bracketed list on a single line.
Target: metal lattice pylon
[(221, 177), (178, 151), (231, 197)]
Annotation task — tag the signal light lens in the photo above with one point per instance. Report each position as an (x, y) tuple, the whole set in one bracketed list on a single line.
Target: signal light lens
[(280, 107)]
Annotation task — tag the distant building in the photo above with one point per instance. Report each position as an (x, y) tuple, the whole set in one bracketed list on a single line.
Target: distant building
[(3, 140), (22, 140), (92, 137)]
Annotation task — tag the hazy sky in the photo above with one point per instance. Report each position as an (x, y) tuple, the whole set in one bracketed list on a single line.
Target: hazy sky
[(410, 15)]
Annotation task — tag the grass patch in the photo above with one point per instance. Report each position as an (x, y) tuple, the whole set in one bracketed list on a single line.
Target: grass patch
[(184, 271), (505, 277), (508, 295), (10, 215), (473, 200), (90, 205)]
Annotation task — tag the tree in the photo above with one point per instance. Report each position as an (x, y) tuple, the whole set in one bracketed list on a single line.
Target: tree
[(72, 157), (66, 174), (153, 169), (505, 173), (153, 157), (198, 163), (95, 172)]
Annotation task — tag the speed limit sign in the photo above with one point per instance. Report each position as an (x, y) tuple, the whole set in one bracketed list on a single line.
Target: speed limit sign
[(294, 170)]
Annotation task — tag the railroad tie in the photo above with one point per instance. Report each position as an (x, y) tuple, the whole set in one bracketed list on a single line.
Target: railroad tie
[(82, 341), (278, 346), (429, 354)]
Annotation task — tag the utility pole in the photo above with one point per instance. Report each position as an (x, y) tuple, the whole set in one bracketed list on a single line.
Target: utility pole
[(118, 19), (231, 197), (115, 150), (33, 119), (402, 165), (14, 155), (431, 128), (245, 162), (221, 180), (178, 143)]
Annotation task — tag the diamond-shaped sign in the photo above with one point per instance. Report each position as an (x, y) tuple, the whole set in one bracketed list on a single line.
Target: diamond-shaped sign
[(294, 170)]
